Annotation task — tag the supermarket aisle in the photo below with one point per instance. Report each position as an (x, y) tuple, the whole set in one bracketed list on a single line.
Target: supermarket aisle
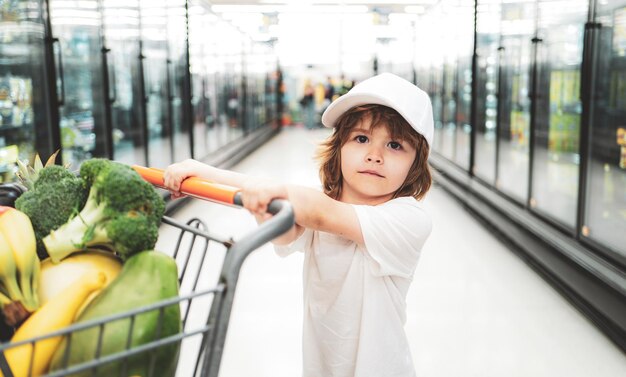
[(474, 309)]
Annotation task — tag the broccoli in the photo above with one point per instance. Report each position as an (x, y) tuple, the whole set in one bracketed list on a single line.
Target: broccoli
[(122, 212), (56, 196), (52, 174), (90, 169)]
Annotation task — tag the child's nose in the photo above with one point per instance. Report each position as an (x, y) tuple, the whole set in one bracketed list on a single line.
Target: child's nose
[(374, 158)]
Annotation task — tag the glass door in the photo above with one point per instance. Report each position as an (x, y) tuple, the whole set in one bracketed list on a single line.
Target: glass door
[(271, 92), (178, 86), (124, 101), (220, 134), (24, 119), (233, 86), (558, 108), (518, 30), (464, 43), (154, 43), (448, 97), (261, 67), (435, 93), (202, 98), (234, 104), (605, 213), (77, 26), (424, 67), (488, 51)]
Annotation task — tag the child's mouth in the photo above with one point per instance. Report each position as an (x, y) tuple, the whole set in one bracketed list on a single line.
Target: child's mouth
[(371, 172)]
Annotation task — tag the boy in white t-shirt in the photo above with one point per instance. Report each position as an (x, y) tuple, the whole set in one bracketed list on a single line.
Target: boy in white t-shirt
[(362, 235)]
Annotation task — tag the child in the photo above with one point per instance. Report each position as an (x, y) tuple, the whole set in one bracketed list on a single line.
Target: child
[(362, 235)]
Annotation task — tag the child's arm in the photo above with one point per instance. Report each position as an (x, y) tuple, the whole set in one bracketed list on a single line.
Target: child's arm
[(315, 210), (312, 209)]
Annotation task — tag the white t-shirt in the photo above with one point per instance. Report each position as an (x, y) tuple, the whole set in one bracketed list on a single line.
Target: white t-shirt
[(355, 297)]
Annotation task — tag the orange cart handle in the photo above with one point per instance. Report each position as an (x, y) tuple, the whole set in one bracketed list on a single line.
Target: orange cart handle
[(194, 186)]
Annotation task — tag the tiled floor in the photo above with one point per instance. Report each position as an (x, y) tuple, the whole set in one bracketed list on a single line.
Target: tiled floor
[(474, 308)]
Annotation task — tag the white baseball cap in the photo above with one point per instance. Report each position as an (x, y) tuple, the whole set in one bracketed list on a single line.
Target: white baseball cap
[(387, 89)]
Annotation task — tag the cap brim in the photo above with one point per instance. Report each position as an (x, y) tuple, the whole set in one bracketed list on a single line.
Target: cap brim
[(344, 103)]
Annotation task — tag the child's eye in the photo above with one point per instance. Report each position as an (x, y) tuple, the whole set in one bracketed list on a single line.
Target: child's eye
[(361, 139), (395, 145)]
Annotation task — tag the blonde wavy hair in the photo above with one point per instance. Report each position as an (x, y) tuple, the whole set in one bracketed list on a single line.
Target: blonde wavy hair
[(418, 179)]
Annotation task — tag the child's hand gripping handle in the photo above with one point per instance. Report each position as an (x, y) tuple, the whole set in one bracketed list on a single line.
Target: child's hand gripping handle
[(193, 186), (203, 189)]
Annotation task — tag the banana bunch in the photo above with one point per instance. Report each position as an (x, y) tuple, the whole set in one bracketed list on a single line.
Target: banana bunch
[(19, 266), (33, 359)]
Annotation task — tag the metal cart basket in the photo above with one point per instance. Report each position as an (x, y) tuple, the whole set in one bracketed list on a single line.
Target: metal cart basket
[(205, 306)]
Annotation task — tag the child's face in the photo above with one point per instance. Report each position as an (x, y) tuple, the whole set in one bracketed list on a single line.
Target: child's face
[(373, 165)]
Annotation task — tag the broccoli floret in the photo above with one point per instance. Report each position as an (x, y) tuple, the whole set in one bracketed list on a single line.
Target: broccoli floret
[(56, 196), (125, 230), (90, 169), (52, 174), (123, 212)]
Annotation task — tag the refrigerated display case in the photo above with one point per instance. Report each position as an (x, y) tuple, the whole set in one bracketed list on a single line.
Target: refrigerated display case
[(272, 95), (449, 107), (25, 124), (550, 94), (203, 118), (260, 93), (605, 210), (156, 97), (230, 80), (178, 79), (255, 114), (565, 109), (435, 92), (112, 79), (427, 71), (121, 45), (487, 81), (202, 66), (458, 37), (518, 30), (77, 26), (558, 110), (218, 135), (232, 89), (464, 45)]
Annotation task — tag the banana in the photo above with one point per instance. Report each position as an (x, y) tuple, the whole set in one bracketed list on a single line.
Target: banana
[(56, 314), (56, 276), (8, 272), (4, 300), (19, 234)]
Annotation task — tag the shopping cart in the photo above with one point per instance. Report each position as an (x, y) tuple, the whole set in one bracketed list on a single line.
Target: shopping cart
[(205, 306)]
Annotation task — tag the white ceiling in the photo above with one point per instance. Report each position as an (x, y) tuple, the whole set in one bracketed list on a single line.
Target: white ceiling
[(342, 34)]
